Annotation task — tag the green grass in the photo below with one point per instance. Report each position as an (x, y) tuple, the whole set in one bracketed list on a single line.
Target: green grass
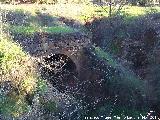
[(41, 86), (22, 29), (82, 12), (12, 58), (50, 106), (58, 29), (14, 68), (125, 82), (130, 13), (131, 112), (12, 54), (121, 112), (32, 29), (118, 112), (13, 106), (17, 67)]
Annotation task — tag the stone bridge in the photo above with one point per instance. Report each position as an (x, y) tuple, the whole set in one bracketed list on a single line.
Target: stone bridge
[(57, 55), (62, 49), (68, 47)]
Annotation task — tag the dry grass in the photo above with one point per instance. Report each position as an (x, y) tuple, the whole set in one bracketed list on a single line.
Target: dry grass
[(19, 70), (80, 12), (16, 66)]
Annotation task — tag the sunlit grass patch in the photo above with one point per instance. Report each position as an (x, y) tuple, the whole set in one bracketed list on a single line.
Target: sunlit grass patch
[(16, 65), (136, 11), (17, 68), (25, 7), (70, 11), (41, 86), (58, 29), (22, 29), (33, 29), (130, 13), (81, 12)]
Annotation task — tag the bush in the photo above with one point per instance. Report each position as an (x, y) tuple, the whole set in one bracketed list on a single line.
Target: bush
[(142, 2), (138, 2), (18, 78), (121, 81), (16, 17), (133, 44), (16, 65), (115, 34), (13, 105)]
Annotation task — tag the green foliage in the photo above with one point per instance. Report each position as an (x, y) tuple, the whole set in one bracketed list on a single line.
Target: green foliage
[(41, 86), (11, 54), (18, 68), (50, 106), (29, 30), (22, 29), (85, 11), (152, 10), (130, 13), (34, 25), (1, 57), (58, 29), (21, 22), (110, 108), (122, 81), (13, 105), (115, 64), (106, 56)]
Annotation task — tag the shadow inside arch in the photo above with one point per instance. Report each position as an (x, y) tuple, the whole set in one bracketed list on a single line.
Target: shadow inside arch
[(60, 71)]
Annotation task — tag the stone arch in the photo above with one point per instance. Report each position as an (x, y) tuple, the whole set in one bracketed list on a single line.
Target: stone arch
[(60, 60), (60, 70)]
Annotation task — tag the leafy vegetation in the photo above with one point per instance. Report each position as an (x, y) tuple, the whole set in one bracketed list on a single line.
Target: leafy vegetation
[(123, 77), (12, 60), (13, 105), (17, 69), (50, 106), (32, 24)]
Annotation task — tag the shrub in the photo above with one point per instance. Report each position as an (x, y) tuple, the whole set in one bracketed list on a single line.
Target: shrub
[(122, 81), (138, 2), (15, 17), (13, 105), (16, 65), (18, 78), (133, 44)]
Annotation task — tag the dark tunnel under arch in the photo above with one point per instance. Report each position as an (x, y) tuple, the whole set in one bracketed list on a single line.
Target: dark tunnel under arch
[(60, 70)]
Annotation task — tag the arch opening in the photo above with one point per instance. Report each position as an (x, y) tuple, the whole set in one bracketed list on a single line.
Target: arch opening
[(60, 70)]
